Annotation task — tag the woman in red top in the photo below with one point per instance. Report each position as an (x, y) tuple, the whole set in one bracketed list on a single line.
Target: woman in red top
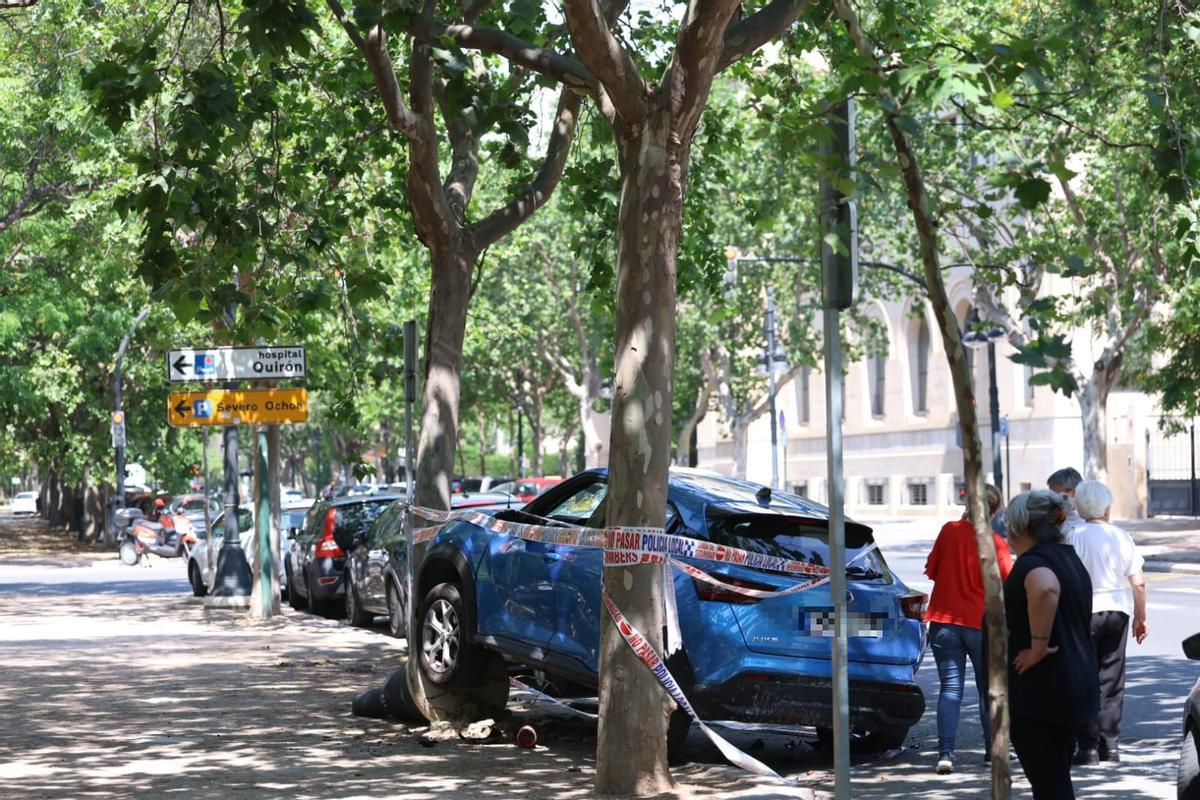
[(955, 619)]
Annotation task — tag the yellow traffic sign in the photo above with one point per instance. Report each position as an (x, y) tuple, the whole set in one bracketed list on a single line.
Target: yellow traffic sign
[(237, 407)]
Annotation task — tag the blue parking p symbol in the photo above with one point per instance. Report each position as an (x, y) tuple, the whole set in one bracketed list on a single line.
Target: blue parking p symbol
[(202, 408)]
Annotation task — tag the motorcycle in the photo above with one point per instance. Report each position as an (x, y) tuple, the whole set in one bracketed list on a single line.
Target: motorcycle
[(167, 538)]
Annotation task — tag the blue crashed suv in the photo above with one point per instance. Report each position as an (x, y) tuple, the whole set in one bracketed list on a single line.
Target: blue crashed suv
[(743, 659)]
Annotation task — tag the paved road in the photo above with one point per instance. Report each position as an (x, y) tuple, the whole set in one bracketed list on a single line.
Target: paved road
[(72, 629)]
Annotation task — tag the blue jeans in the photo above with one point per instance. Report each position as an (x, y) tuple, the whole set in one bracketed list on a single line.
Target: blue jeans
[(951, 645)]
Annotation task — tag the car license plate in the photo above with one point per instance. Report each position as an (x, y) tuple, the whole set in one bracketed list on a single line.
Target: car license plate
[(819, 622)]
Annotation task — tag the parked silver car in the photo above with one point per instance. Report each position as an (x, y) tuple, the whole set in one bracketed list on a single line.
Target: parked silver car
[(197, 554)]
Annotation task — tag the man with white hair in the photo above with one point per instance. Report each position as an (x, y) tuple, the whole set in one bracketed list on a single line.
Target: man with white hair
[(1115, 567)]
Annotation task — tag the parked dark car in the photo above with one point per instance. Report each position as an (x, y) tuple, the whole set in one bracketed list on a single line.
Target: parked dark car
[(377, 566), (1189, 755), (745, 659), (316, 562), (376, 573)]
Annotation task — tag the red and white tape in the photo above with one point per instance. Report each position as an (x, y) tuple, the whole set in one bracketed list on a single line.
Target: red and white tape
[(645, 653)]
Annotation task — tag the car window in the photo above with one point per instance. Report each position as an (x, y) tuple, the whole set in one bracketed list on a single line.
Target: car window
[(353, 518), (793, 539), (472, 484), (381, 524), (578, 507)]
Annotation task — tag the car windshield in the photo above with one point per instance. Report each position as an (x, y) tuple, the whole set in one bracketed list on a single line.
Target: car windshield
[(194, 506), (26, 495), (471, 484), (795, 539), (245, 522)]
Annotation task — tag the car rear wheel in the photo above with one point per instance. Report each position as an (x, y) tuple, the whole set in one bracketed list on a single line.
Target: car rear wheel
[(397, 613), (295, 600), (194, 578), (445, 656), (355, 615), (1189, 766)]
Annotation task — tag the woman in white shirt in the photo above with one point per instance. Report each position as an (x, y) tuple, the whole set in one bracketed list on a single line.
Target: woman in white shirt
[(1113, 563)]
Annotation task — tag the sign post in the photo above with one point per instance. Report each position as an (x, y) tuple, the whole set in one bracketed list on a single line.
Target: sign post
[(839, 274)]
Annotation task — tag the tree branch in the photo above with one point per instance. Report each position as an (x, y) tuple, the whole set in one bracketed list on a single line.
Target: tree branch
[(502, 221), (689, 74), (563, 69), (601, 53), (374, 49), (347, 24), (744, 37)]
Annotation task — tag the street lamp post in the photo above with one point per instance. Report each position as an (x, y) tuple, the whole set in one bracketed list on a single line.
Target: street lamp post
[(119, 445), (772, 360), (977, 340)]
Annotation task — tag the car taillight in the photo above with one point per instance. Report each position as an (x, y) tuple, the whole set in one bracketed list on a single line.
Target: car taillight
[(328, 547), (708, 591), (912, 606)]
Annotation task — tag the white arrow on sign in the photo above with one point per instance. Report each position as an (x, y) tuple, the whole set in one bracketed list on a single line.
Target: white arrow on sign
[(215, 364)]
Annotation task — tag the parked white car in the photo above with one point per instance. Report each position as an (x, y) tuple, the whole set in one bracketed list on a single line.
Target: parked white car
[(25, 503), (197, 565)]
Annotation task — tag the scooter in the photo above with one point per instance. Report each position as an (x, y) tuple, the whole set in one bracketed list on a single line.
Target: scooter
[(166, 538)]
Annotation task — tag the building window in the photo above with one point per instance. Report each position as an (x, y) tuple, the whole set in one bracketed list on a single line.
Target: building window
[(921, 368), (803, 398), (875, 494), (877, 377), (918, 493), (1028, 386), (800, 489)]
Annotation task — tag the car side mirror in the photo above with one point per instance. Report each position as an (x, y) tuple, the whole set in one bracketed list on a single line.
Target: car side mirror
[(1191, 647)]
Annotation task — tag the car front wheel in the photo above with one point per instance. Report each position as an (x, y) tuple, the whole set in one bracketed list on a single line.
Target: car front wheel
[(1189, 766), (194, 578), (446, 658)]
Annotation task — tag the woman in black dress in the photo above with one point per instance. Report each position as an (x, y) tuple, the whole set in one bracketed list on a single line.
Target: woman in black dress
[(1053, 683)]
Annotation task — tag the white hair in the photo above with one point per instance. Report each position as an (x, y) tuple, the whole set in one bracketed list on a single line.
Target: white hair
[(1092, 498)]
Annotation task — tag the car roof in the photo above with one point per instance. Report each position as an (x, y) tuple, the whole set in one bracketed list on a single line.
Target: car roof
[(696, 487), (355, 499)]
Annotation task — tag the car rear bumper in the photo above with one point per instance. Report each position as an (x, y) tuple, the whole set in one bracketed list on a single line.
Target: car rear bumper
[(329, 581), (809, 701)]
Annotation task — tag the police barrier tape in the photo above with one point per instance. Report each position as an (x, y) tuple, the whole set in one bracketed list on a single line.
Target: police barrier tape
[(645, 653), (641, 546), (645, 546), (622, 546), (554, 701)]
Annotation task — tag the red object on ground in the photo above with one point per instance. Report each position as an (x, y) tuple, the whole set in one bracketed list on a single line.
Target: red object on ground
[(526, 737)]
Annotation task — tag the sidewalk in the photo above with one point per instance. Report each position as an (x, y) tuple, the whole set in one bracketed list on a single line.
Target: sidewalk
[(1169, 544)]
